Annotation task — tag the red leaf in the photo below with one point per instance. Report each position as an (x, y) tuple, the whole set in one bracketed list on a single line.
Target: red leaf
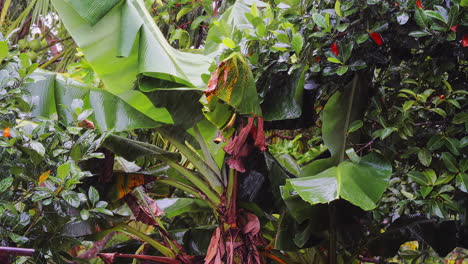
[(334, 48), (260, 135), (252, 226), (108, 258), (454, 28), (418, 3), (144, 213), (213, 247), (465, 41), (86, 124), (377, 38)]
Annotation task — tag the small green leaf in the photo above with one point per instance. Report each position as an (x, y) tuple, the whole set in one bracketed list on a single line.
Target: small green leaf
[(103, 211), (418, 33), (431, 176), (444, 179), (37, 147), (408, 91), (408, 104), (352, 155), (439, 111), (3, 50), (421, 18), (183, 12), (425, 191), (197, 21), (462, 182), (435, 142), (463, 165), (261, 30), (402, 18), (334, 60), (229, 43), (453, 144), (436, 15), (84, 214), (93, 195), (355, 125), (464, 3), (408, 195), (71, 197), (425, 157), (5, 184), (319, 20), (338, 8), (85, 114), (383, 133), (449, 161), (63, 170), (418, 177), (362, 38), (297, 43), (460, 118), (342, 70)]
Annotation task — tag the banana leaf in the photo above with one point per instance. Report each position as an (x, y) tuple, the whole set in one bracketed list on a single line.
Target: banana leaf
[(121, 40), (53, 93)]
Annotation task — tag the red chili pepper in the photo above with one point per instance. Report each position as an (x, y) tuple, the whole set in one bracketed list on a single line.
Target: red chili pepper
[(377, 38), (465, 41), (318, 59), (441, 97), (334, 48), (6, 132), (454, 28), (418, 3)]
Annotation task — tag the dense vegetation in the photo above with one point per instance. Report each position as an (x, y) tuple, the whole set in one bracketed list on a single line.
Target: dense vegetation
[(243, 131)]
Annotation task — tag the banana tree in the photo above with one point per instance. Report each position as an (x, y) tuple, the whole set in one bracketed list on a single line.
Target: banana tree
[(161, 74)]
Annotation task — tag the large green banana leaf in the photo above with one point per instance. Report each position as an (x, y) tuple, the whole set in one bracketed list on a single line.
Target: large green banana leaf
[(53, 93), (361, 183), (340, 111), (121, 40)]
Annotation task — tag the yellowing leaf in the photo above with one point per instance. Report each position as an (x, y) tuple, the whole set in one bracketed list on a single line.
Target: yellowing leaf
[(44, 176)]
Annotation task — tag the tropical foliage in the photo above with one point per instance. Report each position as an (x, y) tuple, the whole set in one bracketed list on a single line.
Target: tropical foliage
[(240, 131)]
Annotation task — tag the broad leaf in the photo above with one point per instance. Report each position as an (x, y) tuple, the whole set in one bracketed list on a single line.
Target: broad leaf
[(339, 113), (362, 184), (53, 93)]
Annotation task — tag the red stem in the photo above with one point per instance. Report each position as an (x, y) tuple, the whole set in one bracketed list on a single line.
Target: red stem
[(145, 257), (14, 251)]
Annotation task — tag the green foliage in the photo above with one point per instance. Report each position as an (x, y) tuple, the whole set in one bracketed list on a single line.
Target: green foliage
[(40, 196), (383, 82)]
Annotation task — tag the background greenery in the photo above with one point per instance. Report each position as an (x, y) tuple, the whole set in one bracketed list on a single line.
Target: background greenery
[(363, 104)]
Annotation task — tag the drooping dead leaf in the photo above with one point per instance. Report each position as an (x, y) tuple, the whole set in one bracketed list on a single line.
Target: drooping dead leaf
[(144, 211)]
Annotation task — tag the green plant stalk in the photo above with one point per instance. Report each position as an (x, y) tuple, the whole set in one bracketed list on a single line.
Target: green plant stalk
[(47, 63), (205, 170), (26, 11), (230, 187), (183, 187), (206, 152), (6, 5), (189, 190), (160, 224), (167, 252), (200, 184), (348, 115), (332, 209)]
